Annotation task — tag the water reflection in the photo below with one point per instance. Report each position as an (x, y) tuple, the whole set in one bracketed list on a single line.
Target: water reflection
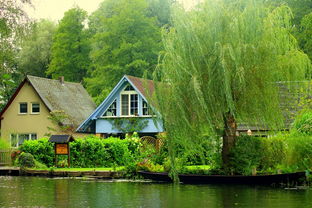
[(46, 192)]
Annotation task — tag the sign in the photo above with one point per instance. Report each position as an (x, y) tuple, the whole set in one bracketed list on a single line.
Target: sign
[(61, 149)]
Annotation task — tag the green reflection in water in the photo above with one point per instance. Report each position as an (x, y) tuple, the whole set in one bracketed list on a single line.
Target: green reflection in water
[(47, 192)]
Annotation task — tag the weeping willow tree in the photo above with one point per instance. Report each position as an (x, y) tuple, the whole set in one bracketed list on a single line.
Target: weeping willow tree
[(219, 68)]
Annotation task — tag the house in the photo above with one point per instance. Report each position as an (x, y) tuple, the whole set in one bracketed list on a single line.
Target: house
[(127, 106), (26, 115)]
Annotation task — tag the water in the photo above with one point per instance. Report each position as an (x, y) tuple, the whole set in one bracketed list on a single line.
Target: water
[(60, 192)]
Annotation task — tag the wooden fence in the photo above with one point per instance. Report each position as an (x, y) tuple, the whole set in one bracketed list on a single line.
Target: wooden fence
[(5, 157)]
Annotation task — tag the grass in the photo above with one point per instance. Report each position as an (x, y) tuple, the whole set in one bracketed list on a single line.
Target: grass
[(198, 167)]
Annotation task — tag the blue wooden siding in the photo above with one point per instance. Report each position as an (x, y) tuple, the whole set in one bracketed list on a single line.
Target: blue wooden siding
[(105, 126)]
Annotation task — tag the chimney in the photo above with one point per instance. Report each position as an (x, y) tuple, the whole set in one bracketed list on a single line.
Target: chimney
[(61, 78)]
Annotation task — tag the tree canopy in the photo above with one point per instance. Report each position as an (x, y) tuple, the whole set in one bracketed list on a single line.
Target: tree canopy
[(35, 54), (70, 48), (219, 68), (126, 41)]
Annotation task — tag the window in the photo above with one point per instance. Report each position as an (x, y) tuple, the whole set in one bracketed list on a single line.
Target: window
[(112, 110), (145, 108), (35, 108), (23, 108), (134, 104), (18, 139), (129, 101)]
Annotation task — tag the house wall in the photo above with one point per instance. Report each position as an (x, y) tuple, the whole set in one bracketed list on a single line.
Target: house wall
[(15, 123), (104, 125)]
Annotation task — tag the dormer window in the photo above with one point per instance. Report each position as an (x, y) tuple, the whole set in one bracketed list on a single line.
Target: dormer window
[(23, 108), (112, 110), (145, 108), (129, 102)]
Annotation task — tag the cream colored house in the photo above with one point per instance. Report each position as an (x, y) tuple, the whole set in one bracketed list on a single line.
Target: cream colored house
[(26, 114)]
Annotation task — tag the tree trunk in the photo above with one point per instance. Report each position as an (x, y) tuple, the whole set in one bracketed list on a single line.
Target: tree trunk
[(229, 138)]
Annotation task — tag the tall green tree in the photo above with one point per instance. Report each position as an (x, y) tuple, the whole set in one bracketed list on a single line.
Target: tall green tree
[(219, 68), (126, 41), (13, 25), (35, 54), (304, 34), (70, 47)]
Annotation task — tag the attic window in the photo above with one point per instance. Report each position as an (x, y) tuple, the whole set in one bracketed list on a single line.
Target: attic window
[(129, 88), (35, 108), (112, 110), (145, 108)]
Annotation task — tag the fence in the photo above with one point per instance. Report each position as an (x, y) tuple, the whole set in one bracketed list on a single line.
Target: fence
[(5, 157)]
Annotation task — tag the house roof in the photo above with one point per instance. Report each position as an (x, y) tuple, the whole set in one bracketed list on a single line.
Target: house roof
[(144, 87), (69, 97), (61, 138)]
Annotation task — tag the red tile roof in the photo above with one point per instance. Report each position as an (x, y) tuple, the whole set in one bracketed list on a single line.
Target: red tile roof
[(145, 86)]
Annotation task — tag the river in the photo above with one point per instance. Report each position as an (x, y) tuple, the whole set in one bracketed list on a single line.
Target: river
[(79, 192)]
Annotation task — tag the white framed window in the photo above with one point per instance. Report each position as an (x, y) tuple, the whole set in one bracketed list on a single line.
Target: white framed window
[(112, 109), (18, 139), (146, 109), (23, 108), (35, 108), (129, 102)]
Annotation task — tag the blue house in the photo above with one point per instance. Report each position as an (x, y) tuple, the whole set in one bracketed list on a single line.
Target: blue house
[(126, 105)]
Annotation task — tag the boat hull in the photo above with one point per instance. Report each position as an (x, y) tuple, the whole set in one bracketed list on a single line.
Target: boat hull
[(289, 178)]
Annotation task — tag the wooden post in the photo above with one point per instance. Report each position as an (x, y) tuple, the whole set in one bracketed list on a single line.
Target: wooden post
[(68, 156)]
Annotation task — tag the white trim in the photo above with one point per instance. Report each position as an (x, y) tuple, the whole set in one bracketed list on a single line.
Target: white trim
[(129, 93)]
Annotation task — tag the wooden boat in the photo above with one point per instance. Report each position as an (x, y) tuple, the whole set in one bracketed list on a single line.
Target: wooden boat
[(287, 178)]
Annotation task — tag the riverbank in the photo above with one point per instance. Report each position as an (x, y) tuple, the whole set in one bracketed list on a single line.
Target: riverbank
[(101, 173)]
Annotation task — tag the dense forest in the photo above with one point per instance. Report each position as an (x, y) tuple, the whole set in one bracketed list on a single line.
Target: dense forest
[(120, 37)]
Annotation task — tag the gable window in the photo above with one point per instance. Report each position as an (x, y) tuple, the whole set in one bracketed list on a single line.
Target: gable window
[(129, 101), (23, 108), (112, 110), (18, 139), (35, 108)]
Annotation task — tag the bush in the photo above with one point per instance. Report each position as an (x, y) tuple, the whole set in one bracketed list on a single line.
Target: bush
[(246, 155), (95, 152), (4, 144), (303, 123), (41, 149), (26, 160)]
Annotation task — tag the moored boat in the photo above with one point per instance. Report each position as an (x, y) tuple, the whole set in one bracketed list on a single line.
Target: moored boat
[(286, 178)]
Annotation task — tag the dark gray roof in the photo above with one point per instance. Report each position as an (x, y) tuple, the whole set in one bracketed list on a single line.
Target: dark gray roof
[(61, 138), (69, 97)]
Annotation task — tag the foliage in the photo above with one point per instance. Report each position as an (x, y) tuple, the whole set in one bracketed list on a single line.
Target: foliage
[(41, 149), (96, 152), (129, 125), (246, 155), (35, 54), (70, 48), (303, 123), (13, 24), (4, 144), (304, 34), (221, 61), (126, 40), (61, 122), (26, 160)]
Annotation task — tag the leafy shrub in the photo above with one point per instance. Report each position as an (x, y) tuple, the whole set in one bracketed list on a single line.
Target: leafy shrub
[(274, 152), (26, 160), (299, 152), (4, 144), (303, 123), (41, 149), (95, 152), (246, 154)]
